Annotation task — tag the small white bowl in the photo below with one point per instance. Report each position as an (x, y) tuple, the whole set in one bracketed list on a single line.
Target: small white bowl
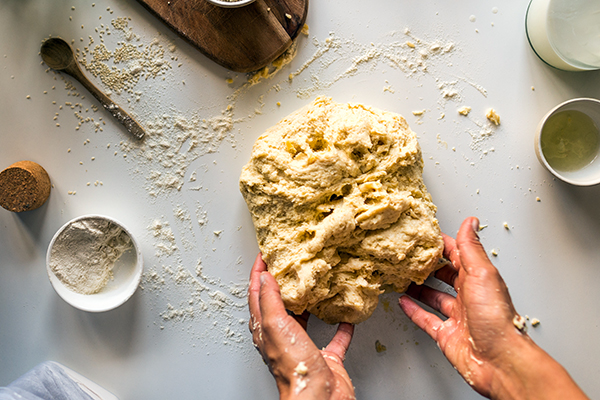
[(588, 175), (230, 4), (127, 274)]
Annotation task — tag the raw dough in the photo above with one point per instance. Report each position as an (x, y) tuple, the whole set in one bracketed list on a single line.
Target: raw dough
[(340, 209), (493, 116)]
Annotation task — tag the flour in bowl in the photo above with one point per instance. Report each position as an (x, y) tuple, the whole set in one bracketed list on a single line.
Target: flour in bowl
[(85, 252)]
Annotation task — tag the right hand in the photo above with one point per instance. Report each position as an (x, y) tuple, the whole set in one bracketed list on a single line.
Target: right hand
[(479, 336)]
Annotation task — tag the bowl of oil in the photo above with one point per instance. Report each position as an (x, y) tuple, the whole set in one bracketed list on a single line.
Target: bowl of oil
[(567, 141)]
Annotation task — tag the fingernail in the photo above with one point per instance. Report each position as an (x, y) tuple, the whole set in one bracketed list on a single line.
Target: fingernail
[(262, 278), (475, 226)]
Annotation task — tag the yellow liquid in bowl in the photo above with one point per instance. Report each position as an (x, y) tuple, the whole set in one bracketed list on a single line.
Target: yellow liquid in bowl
[(570, 140)]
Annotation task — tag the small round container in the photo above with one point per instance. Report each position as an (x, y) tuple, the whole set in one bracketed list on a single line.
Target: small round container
[(230, 4), (588, 175), (127, 274)]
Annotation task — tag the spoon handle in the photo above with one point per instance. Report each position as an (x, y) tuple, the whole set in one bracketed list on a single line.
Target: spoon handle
[(121, 115)]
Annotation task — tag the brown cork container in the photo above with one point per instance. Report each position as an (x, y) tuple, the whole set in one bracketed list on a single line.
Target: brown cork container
[(24, 186)]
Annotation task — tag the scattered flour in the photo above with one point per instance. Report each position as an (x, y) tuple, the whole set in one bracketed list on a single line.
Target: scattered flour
[(165, 243), (413, 57), (201, 297)]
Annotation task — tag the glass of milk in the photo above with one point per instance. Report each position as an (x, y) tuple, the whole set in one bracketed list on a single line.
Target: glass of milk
[(565, 33)]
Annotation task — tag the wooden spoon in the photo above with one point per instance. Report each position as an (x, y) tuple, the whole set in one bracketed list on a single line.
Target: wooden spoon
[(58, 55)]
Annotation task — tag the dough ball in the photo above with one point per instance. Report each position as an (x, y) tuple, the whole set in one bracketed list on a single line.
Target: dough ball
[(340, 208)]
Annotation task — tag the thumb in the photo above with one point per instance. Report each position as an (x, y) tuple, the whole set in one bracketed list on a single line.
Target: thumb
[(271, 305), (472, 253)]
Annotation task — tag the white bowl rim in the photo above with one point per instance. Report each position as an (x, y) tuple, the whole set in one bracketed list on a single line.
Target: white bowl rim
[(231, 4), (134, 284), (538, 145)]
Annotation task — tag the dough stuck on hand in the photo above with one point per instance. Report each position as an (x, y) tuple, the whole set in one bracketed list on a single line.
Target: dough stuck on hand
[(340, 208)]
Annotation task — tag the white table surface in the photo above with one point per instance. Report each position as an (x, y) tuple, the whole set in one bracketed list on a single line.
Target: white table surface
[(549, 258)]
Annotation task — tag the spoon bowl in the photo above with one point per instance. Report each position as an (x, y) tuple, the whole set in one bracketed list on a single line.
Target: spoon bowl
[(59, 55)]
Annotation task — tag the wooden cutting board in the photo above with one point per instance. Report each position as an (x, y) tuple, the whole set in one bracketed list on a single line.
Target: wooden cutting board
[(242, 39)]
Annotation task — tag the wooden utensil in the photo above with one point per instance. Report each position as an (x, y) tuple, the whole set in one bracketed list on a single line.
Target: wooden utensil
[(58, 55), (241, 39)]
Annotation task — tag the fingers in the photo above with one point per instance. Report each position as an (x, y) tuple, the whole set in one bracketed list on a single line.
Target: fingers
[(471, 252), (423, 319), (341, 340), (439, 301), (278, 331), (254, 288), (447, 274), (451, 251), (254, 293), (270, 303), (302, 319)]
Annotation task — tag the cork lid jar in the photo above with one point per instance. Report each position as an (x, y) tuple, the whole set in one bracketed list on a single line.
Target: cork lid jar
[(24, 186)]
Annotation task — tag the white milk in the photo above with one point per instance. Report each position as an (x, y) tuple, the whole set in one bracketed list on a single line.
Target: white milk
[(565, 33)]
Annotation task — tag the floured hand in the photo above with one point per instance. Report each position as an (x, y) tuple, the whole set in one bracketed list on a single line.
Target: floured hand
[(483, 336), (300, 369)]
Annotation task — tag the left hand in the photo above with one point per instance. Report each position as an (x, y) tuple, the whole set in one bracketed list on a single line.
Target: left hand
[(301, 370)]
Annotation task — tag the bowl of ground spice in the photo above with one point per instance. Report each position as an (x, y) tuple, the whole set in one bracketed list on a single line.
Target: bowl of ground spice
[(94, 263), (230, 3)]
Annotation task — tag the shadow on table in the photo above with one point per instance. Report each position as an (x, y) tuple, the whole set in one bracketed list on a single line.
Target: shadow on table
[(33, 221), (581, 211), (110, 333)]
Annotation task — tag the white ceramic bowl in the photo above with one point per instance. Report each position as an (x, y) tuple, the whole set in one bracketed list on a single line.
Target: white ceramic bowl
[(588, 175), (127, 274), (230, 4)]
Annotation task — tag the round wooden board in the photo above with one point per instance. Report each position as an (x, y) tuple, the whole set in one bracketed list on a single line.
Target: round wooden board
[(242, 39)]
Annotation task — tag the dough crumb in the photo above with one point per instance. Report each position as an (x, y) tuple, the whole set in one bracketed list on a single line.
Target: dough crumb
[(519, 323), (535, 322), (493, 116), (465, 110), (419, 112), (301, 368), (304, 30)]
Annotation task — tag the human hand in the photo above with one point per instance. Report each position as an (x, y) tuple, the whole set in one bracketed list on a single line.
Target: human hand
[(301, 370), (482, 337)]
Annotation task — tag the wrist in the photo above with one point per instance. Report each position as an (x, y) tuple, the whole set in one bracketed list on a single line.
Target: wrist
[(528, 372)]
